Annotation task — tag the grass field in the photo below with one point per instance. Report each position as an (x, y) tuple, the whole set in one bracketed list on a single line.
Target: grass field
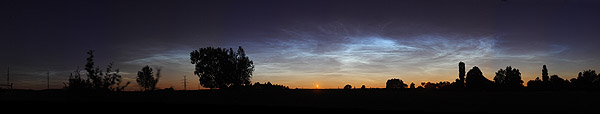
[(333, 100)]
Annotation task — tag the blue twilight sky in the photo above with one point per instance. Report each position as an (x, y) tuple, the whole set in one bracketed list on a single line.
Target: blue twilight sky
[(300, 43)]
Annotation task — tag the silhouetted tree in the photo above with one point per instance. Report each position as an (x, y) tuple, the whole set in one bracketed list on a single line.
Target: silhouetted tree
[(146, 80), (545, 74), (535, 84), (348, 86), (429, 85), (509, 78), (475, 79), (460, 82), (145, 77), (444, 85), (363, 87), (545, 83), (556, 82), (222, 68), (412, 85), (96, 79), (586, 79), (395, 84), (76, 82)]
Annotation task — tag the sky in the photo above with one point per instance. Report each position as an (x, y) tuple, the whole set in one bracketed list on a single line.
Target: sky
[(299, 43)]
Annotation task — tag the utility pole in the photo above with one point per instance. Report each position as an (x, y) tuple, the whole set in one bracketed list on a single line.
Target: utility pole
[(184, 83), (8, 76), (48, 79)]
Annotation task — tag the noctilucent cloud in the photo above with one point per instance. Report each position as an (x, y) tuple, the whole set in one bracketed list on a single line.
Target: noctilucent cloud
[(301, 43)]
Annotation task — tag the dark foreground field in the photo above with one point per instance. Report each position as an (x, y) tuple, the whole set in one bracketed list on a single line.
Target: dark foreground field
[(291, 101)]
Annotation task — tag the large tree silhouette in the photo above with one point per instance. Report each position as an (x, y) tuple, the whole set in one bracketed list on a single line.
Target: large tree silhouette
[(395, 84), (475, 79), (509, 78), (222, 68), (96, 79), (145, 78)]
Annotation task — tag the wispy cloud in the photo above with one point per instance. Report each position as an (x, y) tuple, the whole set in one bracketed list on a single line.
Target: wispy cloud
[(341, 54), (358, 57)]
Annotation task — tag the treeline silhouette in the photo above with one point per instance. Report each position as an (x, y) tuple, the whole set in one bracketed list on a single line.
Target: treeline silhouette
[(267, 85), (228, 69), (508, 79)]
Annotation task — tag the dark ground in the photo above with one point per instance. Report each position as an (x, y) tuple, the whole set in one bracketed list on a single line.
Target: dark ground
[(307, 101)]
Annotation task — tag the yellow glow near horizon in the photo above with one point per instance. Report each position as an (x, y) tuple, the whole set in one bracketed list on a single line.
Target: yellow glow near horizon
[(317, 86)]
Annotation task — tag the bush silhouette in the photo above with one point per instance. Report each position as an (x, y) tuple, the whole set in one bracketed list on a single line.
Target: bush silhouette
[(476, 80), (96, 79), (348, 86), (363, 87), (395, 84), (145, 78), (222, 68)]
